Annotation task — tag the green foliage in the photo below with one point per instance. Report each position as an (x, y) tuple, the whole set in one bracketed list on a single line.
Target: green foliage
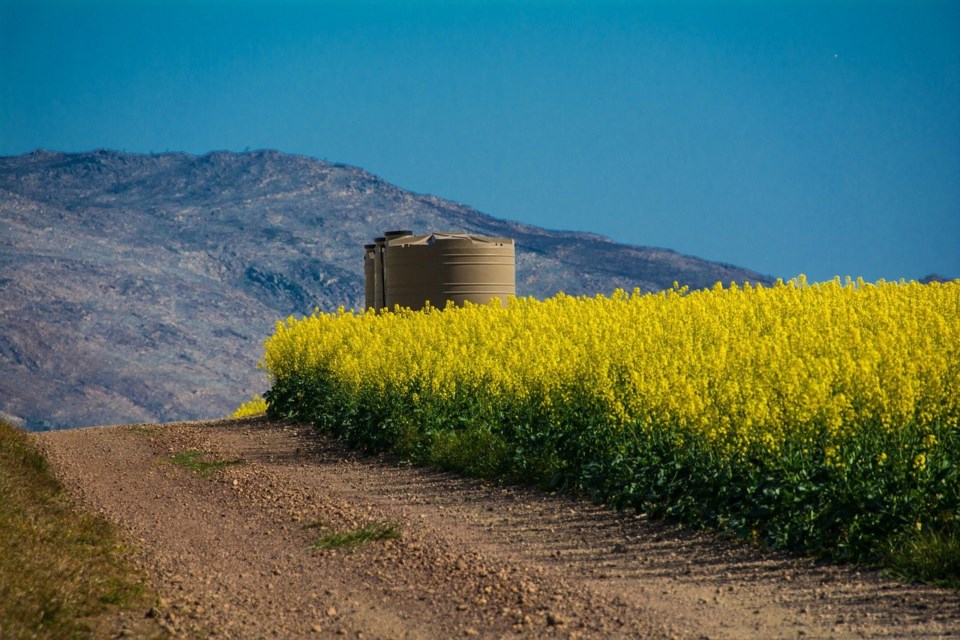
[(193, 460), (59, 568), (928, 556), (356, 537), (855, 508)]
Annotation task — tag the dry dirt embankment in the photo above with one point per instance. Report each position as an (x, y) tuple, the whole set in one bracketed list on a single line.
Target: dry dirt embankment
[(230, 554)]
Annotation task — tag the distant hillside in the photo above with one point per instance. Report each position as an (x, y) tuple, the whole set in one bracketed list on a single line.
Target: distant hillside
[(141, 287), (934, 277)]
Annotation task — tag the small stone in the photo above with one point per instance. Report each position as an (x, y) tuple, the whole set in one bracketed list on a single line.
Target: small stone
[(331, 612), (316, 628), (554, 620)]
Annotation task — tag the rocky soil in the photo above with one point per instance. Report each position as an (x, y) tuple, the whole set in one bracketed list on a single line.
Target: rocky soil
[(231, 554)]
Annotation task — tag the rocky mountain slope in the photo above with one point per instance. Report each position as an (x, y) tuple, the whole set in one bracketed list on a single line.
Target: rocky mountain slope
[(141, 287)]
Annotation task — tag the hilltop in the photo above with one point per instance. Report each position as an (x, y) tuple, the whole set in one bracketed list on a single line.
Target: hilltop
[(139, 288)]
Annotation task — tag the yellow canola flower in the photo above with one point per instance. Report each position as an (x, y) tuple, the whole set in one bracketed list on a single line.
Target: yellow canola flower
[(254, 407), (920, 462), (746, 371)]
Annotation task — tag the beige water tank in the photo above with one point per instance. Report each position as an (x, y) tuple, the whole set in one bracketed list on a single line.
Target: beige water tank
[(387, 238), (440, 267), (368, 266), (373, 274)]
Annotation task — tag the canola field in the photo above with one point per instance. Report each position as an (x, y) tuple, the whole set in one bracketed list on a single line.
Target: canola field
[(821, 418)]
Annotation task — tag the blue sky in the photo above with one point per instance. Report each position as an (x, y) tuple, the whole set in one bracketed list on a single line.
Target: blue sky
[(787, 137)]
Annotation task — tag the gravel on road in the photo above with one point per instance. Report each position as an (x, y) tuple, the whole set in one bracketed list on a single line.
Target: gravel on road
[(233, 551)]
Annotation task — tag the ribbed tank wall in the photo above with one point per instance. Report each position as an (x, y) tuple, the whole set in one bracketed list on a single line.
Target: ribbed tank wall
[(438, 268), (387, 238), (378, 273), (368, 277)]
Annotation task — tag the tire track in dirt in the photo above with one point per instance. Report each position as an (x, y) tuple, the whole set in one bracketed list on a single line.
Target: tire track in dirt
[(230, 555)]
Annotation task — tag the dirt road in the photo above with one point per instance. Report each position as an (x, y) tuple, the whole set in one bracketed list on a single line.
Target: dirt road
[(231, 553)]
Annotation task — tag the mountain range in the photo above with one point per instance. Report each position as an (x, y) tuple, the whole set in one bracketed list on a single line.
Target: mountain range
[(138, 288)]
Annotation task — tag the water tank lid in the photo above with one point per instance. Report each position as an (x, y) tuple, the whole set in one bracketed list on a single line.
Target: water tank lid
[(458, 238)]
